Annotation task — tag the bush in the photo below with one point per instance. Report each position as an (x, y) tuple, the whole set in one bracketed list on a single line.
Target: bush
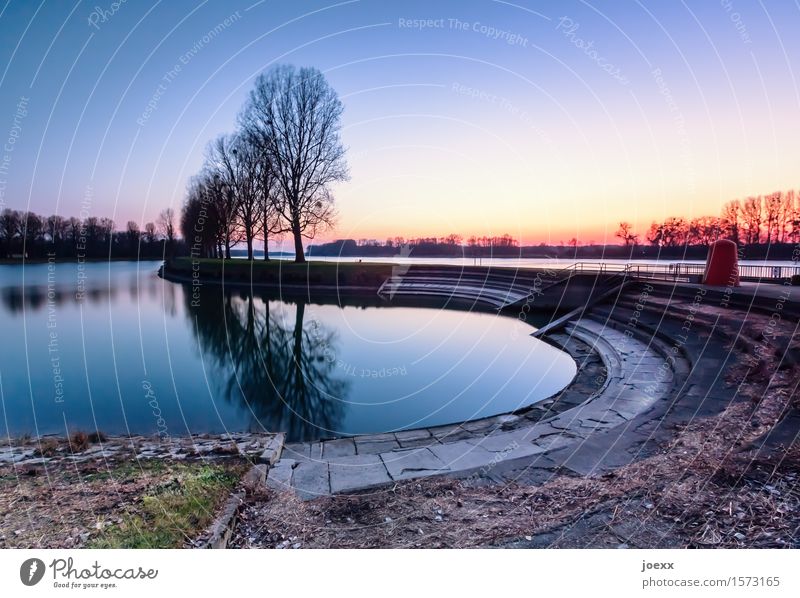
[(98, 436), (79, 441), (47, 447)]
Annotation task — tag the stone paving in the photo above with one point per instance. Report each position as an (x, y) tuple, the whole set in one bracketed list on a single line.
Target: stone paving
[(702, 342), (624, 387)]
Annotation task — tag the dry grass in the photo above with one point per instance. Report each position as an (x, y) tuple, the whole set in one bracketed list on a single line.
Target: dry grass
[(156, 504), (47, 447), (79, 441)]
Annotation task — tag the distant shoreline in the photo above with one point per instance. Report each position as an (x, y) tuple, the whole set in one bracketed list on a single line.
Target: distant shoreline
[(348, 249), (75, 260)]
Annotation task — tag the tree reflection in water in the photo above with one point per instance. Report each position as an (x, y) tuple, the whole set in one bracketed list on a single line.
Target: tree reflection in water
[(283, 373)]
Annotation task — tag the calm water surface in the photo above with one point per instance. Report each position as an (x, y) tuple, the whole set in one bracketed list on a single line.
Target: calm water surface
[(115, 348)]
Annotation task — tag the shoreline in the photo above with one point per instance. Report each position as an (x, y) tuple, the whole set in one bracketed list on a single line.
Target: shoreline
[(75, 260)]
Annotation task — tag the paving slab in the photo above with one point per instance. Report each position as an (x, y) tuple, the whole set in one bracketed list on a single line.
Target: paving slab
[(594, 456), (368, 446), (464, 457), (342, 447), (413, 463), (272, 452), (280, 475), (413, 435), (311, 479), (451, 433), (304, 451), (359, 472), (504, 442)]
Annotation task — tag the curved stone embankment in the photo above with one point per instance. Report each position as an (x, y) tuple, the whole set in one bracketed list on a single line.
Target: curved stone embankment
[(704, 334), (620, 378), (650, 360)]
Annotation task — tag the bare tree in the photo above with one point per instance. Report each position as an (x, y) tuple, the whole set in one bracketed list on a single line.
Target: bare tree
[(752, 219), (132, 235), (56, 229), (235, 163), (166, 226), (247, 180), (199, 222), (269, 198), (786, 215), (731, 220), (294, 118), (223, 184), (625, 232), (773, 216), (673, 232), (793, 217), (150, 234), (10, 229), (32, 228)]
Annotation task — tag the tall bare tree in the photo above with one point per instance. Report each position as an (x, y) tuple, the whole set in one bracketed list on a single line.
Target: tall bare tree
[(625, 232), (150, 233), (269, 197), (10, 229), (236, 163), (199, 221), (132, 236), (223, 190), (773, 216), (294, 118), (732, 220), (166, 225), (752, 217)]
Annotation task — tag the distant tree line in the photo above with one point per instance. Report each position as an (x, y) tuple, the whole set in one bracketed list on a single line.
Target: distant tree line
[(765, 224), (273, 175), (449, 246), (30, 235), (772, 219)]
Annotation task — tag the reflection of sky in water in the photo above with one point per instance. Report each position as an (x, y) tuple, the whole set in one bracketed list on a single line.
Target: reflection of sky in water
[(240, 363)]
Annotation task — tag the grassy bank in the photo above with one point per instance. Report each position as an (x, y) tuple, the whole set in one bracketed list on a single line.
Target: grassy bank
[(153, 503), (358, 274), (178, 505)]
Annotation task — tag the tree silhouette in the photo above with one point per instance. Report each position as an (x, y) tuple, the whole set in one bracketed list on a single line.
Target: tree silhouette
[(281, 373)]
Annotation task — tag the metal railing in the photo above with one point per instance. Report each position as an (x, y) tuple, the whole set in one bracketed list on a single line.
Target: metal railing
[(683, 271), (618, 274)]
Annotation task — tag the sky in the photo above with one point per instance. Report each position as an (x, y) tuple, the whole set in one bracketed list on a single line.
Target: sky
[(543, 120)]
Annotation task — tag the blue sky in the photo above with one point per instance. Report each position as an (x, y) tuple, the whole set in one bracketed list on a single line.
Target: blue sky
[(545, 120)]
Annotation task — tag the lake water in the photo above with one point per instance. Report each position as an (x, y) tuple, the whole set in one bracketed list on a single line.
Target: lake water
[(112, 347)]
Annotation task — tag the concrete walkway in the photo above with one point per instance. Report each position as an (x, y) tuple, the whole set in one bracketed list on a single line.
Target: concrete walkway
[(634, 376)]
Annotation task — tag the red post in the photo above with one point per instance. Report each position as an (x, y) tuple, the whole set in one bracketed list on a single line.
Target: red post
[(722, 264)]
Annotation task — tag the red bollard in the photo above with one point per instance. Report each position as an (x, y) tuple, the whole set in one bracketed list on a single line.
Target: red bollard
[(722, 265)]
